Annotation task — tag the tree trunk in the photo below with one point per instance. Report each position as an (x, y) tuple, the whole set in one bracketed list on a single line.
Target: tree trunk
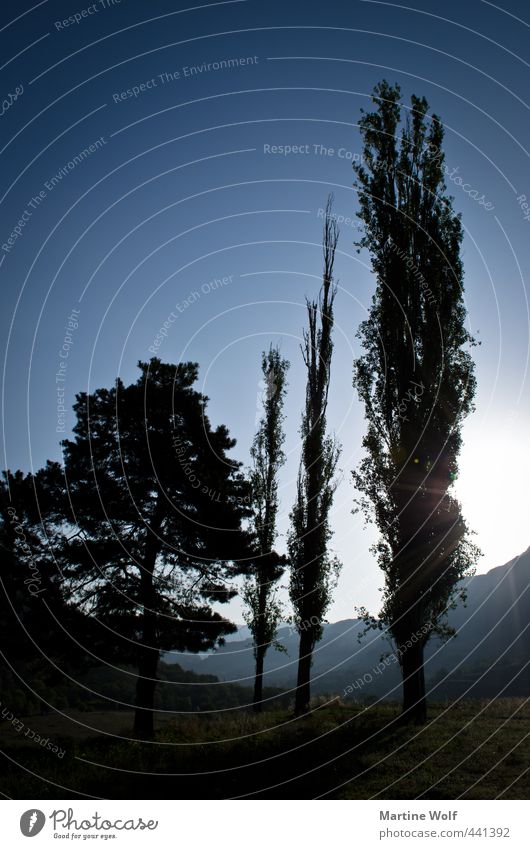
[(414, 699), (261, 647), (410, 631), (303, 684), (145, 693), (258, 682), (148, 652)]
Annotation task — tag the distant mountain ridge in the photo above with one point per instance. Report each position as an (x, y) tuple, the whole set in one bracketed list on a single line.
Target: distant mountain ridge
[(489, 656)]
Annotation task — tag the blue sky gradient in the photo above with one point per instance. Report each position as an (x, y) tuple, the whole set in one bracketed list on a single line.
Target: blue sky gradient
[(200, 195)]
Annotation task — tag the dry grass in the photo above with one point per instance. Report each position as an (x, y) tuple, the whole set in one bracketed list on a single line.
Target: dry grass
[(478, 750)]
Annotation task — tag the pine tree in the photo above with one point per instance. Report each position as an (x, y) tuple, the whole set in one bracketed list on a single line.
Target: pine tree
[(416, 378), (44, 639), (158, 505), (313, 569)]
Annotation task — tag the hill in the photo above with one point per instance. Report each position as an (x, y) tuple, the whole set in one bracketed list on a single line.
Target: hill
[(490, 653)]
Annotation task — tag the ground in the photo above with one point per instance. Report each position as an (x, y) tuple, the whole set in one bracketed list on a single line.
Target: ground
[(470, 750)]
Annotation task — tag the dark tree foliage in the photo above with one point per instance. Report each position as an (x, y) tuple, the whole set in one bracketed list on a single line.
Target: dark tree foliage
[(416, 378), (158, 506), (313, 569), (41, 636), (264, 611)]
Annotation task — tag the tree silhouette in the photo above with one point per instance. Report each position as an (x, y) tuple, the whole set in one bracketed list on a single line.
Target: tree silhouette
[(41, 635), (264, 611), (313, 570), (416, 378), (158, 506)]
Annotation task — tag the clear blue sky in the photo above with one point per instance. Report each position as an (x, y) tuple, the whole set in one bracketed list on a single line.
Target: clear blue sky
[(181, 188)]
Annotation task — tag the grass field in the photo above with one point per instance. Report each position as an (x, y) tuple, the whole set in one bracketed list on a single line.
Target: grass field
[(470, 750)]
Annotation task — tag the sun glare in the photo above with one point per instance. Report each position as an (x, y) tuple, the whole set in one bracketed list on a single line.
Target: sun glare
[(493, 489)]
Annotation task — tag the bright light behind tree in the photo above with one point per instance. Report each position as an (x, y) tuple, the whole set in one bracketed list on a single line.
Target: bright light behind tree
[(493, 488)]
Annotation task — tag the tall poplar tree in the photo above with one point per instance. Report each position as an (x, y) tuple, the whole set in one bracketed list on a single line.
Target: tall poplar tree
[(313, 568), (416, 378), (263, 608)]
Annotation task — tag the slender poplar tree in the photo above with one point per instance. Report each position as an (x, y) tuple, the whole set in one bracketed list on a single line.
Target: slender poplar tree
[(416, 378), (264, 610), (313, 568)]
